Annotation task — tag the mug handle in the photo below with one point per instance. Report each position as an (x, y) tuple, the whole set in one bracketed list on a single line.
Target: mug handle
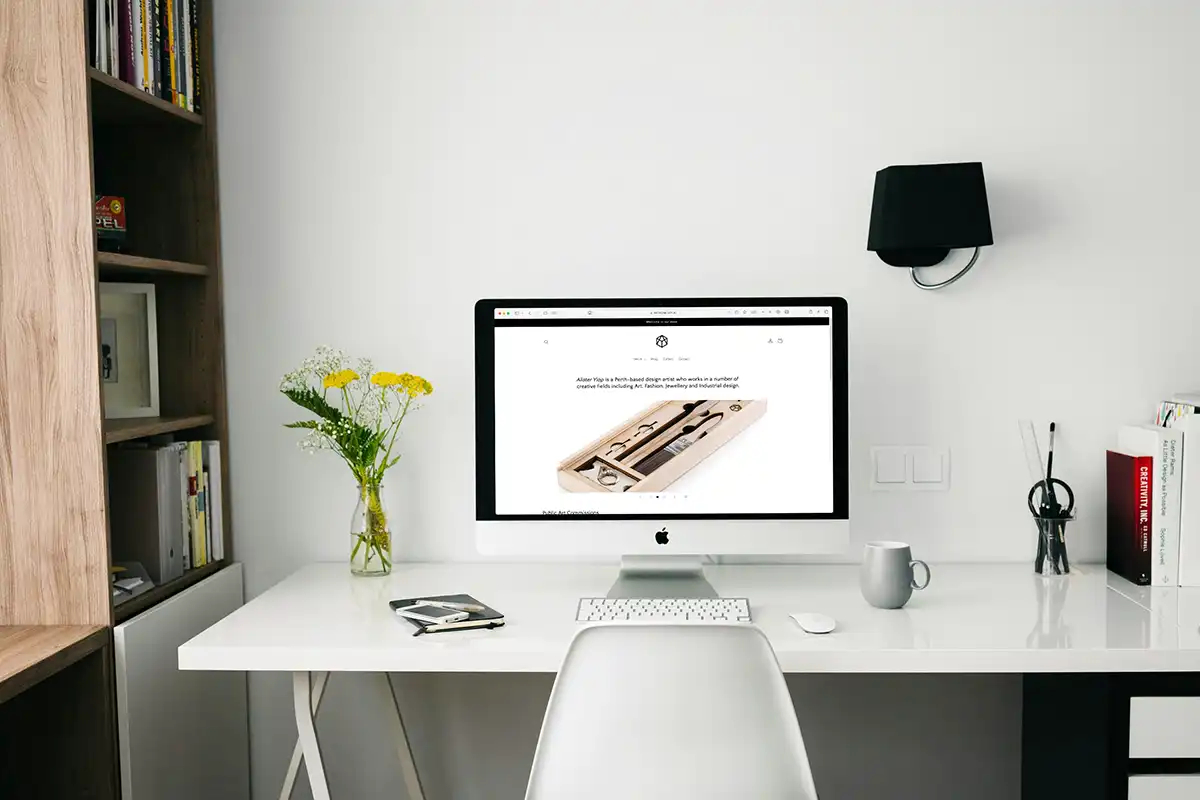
[(928, 574)]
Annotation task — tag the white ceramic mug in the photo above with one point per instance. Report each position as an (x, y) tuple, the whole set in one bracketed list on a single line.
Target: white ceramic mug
[(886, 577)]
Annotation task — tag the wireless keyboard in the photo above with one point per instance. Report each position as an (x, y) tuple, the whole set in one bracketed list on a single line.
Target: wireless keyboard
[(715, 609)]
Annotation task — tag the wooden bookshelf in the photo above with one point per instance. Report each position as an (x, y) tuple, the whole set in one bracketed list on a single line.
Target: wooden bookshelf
[(72, 132), (124, 430), (31, 653), (126, 267), (114, 100)]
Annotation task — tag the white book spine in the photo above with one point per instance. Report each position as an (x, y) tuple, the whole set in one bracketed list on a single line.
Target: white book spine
[(1189, 511), (135, 23), (216, 521)]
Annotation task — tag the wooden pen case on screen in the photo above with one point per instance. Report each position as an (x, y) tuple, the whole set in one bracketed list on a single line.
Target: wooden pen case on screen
[(653, 449)]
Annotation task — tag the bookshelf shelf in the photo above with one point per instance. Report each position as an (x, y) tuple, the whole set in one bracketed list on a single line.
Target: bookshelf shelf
[(115, 101), (116, 264), (31, 653), (136, 605), (124, 430)]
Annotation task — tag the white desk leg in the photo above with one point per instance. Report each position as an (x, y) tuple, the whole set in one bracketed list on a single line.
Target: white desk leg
[(412, 781), (289, 782), (302, 700)]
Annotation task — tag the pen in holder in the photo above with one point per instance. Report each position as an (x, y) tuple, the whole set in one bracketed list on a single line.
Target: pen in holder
[(1052, 504)]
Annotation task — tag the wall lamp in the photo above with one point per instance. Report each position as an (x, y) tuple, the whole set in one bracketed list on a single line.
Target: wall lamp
[(923, 211)]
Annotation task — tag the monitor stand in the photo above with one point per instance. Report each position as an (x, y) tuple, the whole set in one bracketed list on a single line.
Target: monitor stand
[(662, 576)]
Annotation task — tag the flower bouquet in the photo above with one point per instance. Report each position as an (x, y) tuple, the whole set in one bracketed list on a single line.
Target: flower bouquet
[(358, 415)]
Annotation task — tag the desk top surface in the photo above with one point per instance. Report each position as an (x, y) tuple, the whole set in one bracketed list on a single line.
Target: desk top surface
[(972, 618)]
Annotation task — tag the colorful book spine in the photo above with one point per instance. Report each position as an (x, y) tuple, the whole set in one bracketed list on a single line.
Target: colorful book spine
[(181, 52), (172, 71), (201, 536), (147, 72), (194, 96), (181, 453), (185, 25), (207, 506)]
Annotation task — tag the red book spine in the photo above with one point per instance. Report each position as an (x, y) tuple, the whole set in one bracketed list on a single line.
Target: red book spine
[(1144, 468)]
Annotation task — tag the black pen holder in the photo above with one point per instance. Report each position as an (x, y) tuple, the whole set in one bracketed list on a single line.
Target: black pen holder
[(1051, 556)]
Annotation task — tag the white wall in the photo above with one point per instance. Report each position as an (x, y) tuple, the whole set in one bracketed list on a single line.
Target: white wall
[(384, 164)]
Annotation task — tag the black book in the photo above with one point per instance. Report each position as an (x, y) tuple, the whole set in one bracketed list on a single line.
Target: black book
[(488, 618)]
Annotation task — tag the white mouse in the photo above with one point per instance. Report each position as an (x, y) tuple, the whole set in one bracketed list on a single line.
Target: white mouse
[(815, 623)]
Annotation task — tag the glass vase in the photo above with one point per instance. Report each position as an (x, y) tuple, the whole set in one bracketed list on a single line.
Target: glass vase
[(370, 534)]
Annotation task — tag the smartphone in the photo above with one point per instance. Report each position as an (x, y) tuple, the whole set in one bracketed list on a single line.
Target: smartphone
[(432, 614)]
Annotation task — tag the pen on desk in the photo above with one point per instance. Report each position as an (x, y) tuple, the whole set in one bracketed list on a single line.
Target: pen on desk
[(472, 607)]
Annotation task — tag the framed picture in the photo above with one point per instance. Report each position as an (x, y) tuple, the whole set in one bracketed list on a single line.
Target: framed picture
[(129, 350)]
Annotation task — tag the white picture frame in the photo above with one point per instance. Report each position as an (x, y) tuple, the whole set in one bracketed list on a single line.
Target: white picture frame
[(129, 350)]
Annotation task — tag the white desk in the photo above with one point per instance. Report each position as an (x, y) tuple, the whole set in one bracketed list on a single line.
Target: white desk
[(973, 618)]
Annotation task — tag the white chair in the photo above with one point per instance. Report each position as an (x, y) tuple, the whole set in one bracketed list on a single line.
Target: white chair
[(665, 711)]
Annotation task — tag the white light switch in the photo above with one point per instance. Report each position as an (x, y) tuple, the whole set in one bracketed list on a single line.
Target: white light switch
[(890, 467), (927, 466), (930, 468)]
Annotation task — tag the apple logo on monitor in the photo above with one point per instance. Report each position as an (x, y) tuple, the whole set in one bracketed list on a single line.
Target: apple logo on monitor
[(661, 536)]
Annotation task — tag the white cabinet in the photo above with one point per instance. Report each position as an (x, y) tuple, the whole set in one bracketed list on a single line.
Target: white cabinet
[(183, 735), (1164, 727), (1164, 787)]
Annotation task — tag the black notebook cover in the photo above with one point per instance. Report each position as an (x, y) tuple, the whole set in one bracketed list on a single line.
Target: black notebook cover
[(488, 618)]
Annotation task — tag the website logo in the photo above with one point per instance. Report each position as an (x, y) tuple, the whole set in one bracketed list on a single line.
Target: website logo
[(661, 341)]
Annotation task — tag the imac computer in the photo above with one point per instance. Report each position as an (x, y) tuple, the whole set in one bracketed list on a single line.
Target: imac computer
[(661, 431)]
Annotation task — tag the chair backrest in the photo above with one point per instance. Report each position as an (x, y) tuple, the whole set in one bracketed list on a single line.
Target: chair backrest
[(662, 711)]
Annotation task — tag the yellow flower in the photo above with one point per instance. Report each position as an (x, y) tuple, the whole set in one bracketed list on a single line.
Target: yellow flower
[(386, 379), (339, 379), (414, 385)]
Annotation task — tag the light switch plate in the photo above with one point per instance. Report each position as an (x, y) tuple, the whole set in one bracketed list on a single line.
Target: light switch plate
[(913, 469), (889, 469), (930, 469)]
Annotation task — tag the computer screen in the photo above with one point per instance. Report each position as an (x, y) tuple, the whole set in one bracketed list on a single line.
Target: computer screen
[(661, 409)]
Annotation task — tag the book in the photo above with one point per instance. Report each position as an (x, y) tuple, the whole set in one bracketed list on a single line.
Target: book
[(180, 450), (147, 72), (187, 50), (1129, 516), (135, 34), (172, 72), (216, 515), (488, 618), (208, 542), (1165, 446), (181, 48), (1184, 419), (125, 21), (157, 48), (196, 499), (197, 89), (144, 509)]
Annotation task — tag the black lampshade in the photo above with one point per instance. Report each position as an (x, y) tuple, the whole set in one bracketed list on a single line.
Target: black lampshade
[(922, 212)]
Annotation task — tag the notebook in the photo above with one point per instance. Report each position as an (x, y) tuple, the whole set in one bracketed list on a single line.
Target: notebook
[(488, 618)]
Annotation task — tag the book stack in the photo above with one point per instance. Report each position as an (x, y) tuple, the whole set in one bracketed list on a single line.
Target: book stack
[(151, 44), (1154, 497), (165, 506)]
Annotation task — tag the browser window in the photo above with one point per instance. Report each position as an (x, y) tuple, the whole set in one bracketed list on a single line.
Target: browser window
[(680, 411)]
